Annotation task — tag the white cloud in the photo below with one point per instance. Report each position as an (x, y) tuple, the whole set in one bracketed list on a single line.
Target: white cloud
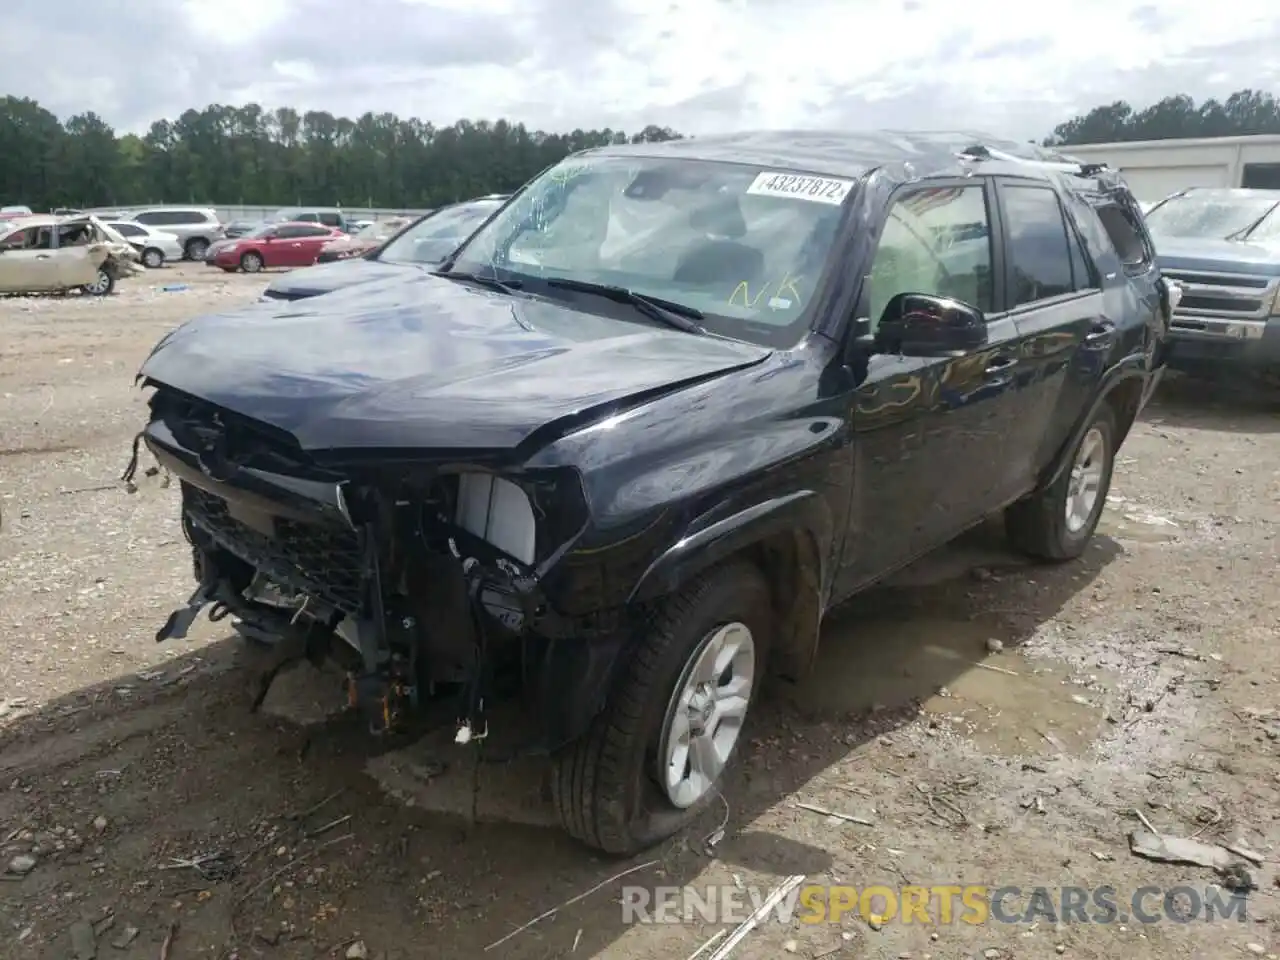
[(696, 65)]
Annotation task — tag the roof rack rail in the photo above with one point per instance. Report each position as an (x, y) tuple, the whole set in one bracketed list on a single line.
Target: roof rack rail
[(1064, 163)]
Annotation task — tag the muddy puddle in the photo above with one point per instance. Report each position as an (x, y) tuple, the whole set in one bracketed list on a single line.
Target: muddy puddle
[(1002, 701)]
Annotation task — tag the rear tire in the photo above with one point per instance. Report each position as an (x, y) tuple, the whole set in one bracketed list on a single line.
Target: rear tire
[(609, 786), (196, 248), (1041, 526)]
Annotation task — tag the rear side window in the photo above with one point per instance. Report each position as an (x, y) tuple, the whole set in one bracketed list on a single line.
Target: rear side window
[(1040, 254), (331, 219), (1124, 236), (314, 232)]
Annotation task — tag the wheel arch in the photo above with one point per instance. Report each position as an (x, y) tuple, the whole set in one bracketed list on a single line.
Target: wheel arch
[(789, 539), (1125, 388)]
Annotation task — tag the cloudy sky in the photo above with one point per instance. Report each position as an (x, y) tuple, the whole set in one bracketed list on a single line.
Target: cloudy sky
[(701, 66)]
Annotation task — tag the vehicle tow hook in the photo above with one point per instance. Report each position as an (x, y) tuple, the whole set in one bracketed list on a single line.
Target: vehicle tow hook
[(384, 701)]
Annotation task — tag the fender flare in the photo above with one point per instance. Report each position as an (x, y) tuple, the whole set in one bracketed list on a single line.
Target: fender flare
[(1132, 367), (705, 543)]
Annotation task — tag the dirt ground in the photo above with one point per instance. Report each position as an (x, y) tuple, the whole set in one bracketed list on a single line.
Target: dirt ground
[(995, 723)]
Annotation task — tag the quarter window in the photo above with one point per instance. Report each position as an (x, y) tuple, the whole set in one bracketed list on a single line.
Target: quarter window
[(1039, 254), (935, 241)]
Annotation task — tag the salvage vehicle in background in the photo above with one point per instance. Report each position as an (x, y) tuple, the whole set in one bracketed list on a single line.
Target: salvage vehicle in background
[(195, 227), (616, 456), (272, 245), (1223, 248), (45, 254), (154, 246), (426, 241), (238, 228), (328, 216), (364, 241)]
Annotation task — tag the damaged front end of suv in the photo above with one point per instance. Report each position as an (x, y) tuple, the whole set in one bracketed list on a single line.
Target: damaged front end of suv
[(421, 577)]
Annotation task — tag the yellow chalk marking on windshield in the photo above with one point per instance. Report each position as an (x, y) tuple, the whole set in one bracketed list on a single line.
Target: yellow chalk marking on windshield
[(787, 288), (747, 300)]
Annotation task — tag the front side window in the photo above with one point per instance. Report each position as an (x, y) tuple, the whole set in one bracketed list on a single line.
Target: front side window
[(1039, 254), (742, 245), (128, 229), (936, 241), (155, 218)]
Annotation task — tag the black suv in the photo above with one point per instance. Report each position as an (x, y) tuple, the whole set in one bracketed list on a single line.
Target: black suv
[(625, 447)]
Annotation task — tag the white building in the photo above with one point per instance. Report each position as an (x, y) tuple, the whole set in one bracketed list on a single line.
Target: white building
[(1156, 168)]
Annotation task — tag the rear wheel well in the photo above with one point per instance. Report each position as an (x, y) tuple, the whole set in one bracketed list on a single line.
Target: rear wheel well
[(1124, 398), (791, 566)]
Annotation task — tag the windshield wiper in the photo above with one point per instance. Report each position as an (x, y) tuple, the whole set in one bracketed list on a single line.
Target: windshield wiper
[(666, 312), (493, 283)]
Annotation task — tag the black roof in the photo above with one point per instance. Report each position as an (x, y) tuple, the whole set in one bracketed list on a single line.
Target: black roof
[(905, 154)]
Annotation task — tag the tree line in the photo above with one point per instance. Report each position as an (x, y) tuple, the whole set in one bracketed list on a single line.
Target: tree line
[(1244, 113), (252, 155)]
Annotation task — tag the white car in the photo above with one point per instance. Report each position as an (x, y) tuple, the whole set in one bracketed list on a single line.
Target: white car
[(154, 246)]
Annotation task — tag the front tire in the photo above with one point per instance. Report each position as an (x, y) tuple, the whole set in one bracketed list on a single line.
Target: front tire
[(251, 262), (103, 286), (1057, 523), (152, 258), (653, 759)]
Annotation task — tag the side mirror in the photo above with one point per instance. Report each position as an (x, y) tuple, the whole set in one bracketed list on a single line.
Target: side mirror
[(922, 325)]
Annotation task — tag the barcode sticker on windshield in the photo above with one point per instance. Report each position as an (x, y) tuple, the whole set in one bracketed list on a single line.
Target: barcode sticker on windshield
[(815, 189)]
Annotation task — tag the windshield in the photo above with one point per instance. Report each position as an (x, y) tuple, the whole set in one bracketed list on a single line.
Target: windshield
[(439, 234), (741, 245), (260, 231), (1209, 216)]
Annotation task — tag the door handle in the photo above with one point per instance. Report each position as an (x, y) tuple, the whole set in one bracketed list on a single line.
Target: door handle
[(42, 256), (999, 365), (1100, 334)]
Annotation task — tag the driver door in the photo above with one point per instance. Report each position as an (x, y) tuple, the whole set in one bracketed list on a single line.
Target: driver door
[(929, 431)]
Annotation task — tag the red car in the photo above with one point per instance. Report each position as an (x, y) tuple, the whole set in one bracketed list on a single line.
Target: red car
[(272, 245)]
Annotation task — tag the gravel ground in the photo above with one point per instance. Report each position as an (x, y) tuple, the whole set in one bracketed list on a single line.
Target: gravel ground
[(994, 723)]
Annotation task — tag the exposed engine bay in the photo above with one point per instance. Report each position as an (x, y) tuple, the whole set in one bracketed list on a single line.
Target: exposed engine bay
[(422, 582)]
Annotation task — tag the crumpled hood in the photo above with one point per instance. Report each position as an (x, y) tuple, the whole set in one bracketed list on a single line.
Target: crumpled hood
[(327, 277), (428, 363), (1217, 256)]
